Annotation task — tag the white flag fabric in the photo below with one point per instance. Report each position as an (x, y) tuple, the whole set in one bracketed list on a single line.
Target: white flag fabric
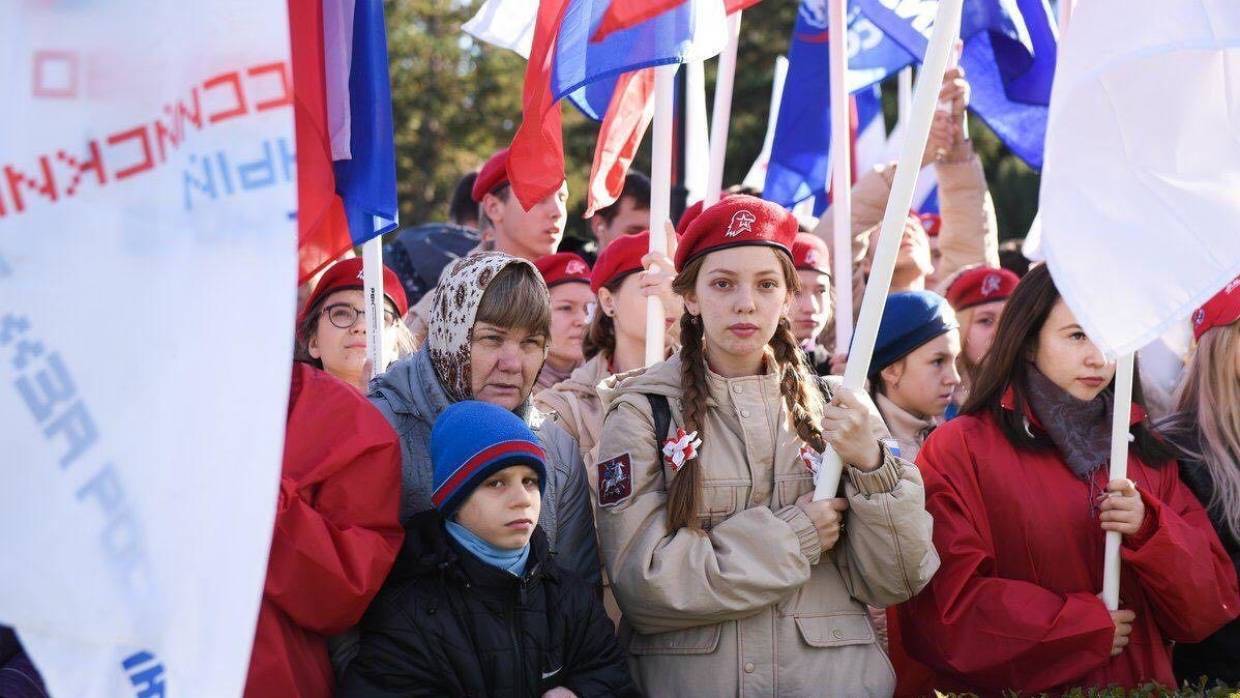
[(1140, 191), (147, 267), (505, 23)]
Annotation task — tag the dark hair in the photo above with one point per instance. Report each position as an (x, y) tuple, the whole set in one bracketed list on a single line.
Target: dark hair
[(1007, 366), (517, 298), (602, 334), (306, 330), (637, 188), (463, 210), (1012, 257)]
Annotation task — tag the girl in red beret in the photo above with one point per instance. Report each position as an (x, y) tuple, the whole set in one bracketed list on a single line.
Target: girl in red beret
[(978, 294), (1206, 429), (568, 280), (704, 480)]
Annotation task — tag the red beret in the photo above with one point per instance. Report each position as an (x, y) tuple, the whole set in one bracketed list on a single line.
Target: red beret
[(492, 176), (981, 285), (347, 274), (735, 221), (563, 267), (809, 252), (622, 256), (687, 217), (932, 222), (1223, 309)]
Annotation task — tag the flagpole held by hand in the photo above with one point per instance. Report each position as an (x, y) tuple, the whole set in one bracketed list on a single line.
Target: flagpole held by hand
[(925, 96), (1119, 470), (660, 198)]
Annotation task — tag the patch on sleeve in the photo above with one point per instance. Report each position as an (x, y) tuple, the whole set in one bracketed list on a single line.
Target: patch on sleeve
[(615, 480)]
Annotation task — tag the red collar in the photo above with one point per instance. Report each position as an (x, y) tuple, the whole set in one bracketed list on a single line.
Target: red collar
[(1136, 415)]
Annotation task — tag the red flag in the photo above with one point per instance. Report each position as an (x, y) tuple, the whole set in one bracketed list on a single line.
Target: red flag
[(628, 117), (536, 157), (322, 230), (622, 14)]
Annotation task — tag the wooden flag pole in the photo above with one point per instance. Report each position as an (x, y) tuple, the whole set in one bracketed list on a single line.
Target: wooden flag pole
[(1119, 469), (841, 172), (372, 302), (925, 98), (660, 197), (721, 112)]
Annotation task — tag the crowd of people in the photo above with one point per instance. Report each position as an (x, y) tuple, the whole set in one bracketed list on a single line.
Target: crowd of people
[(517, 505)]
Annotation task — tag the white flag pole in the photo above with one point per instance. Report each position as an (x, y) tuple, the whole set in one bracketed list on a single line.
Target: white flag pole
[(904, 97), (1119, 469), (660, 197), (721, 112), (841, 171), (925, 98), (697, 133), (372, 301)]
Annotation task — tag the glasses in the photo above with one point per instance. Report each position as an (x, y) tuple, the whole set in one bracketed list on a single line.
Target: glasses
[(343, 315)]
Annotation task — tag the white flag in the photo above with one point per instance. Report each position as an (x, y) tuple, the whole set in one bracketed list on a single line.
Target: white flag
[(505, 23), (147, 267), (1140, 197)]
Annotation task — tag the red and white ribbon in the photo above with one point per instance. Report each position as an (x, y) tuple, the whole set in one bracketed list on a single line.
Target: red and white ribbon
[(811, 459), (681, 449)]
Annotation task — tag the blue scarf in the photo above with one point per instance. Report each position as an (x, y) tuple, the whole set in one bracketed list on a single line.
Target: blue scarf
[(510, 561)]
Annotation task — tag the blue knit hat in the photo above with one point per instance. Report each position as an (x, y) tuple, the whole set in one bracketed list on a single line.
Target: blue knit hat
[(470, 441), (910, 319)]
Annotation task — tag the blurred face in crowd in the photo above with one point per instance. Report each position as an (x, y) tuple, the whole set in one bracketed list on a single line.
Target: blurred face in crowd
[(740, 294), (570, 317), (529, 234), (1065, 355), (339, 339), (504, 363), (811, 306), (504, 508), (981, 332), (913, 255), (922, 382), (629, 220)]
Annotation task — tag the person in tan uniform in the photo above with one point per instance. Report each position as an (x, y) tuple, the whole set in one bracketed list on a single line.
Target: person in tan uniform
[(623, 279), (733, 580)]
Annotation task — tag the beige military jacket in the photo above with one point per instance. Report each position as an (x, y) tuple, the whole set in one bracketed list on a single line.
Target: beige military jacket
[(752, 606)]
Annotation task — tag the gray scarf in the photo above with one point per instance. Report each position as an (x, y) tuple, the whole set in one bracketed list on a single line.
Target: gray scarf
[(1080, 429)]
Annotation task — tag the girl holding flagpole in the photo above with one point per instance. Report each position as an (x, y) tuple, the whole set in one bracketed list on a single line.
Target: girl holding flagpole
[(733, 580), (1021, 505), (1206, 428)]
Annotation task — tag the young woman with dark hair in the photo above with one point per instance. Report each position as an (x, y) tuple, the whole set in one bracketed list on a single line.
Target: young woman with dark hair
[(1206, 429), (1018, 489), (717, 553)]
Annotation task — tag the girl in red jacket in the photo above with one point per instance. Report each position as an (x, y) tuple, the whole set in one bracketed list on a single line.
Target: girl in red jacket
[(1018, 489)]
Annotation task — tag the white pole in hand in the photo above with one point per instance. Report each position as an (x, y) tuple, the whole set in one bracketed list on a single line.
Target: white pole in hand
[(841, 171), (372, 302), (660, 198), (925, 98), (1119, 469), (721, 112)]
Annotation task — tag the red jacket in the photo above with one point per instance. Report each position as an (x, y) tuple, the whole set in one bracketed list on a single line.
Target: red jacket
[(336, 533), (1015, 606)]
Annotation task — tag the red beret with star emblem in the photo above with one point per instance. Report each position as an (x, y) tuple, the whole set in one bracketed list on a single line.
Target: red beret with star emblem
[(622, 256), (981, 285), (810, 253), (562, 268), (735, 221)]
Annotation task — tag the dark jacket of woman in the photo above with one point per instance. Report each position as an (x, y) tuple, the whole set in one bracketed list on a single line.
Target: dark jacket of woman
[(448, 624), (1217, 657)]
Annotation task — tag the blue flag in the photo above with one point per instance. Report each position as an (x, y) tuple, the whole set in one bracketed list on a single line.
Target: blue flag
[(367, 182), (1010, 49), (798, 165)]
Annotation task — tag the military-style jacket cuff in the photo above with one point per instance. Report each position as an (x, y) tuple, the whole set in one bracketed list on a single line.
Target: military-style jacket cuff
[(806, 532), (883, 479)]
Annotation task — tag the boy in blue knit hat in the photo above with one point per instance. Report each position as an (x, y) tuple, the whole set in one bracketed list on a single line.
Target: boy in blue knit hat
[(476, 605)]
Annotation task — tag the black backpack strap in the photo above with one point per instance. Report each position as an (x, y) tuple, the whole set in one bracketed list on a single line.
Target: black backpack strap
[(661, 411)]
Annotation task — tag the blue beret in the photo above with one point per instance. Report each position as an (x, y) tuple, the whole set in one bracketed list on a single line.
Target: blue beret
[(910, 319), (470, 441)]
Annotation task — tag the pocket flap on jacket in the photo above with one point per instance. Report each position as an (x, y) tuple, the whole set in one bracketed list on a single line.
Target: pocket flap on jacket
[(835, 630), (700, 640)]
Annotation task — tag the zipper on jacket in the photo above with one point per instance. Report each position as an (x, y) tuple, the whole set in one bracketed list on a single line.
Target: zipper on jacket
[(518, 652)]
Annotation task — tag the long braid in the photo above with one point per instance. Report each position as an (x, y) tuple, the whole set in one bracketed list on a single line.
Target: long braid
[(804, 405), (686, 488)]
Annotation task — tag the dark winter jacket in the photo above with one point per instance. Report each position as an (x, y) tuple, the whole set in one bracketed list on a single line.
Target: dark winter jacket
[(448, 624), (1217, 656)]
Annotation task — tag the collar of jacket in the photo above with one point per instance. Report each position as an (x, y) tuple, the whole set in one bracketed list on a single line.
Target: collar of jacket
[(428, 550), (904, 424), (720, 388), (1136, 413)]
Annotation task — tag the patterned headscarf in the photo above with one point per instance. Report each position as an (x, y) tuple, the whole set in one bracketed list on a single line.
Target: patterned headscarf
[(452, 316)]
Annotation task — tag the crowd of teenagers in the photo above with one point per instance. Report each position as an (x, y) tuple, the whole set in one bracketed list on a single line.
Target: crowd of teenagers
[(517, 506)]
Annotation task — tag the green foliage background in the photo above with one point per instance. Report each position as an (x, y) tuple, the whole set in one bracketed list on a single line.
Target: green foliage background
[(456, 101)]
